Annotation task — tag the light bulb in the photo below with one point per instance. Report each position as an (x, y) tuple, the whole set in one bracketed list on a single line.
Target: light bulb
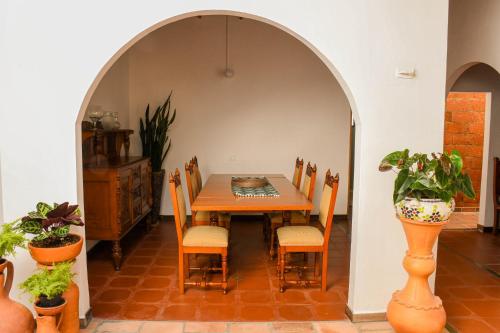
[(228, 73)]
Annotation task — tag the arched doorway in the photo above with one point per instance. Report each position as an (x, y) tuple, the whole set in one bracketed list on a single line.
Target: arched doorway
[(146, 44), (467, 265)]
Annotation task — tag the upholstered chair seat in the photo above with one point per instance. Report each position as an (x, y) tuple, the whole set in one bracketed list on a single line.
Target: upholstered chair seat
[(206, 236), (300, 236)]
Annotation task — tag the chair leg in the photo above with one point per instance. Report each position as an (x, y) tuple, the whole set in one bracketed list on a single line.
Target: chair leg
[(181, 273), (324, 270), (224, 273), (282, 264), (316, 254), (186, 260), (272, 240)]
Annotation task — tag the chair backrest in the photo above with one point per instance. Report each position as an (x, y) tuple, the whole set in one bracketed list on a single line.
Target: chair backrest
[(309, 181), (496, 181), (178, 203), (191, 181), (194, 160), (297, 173), (327, 204)]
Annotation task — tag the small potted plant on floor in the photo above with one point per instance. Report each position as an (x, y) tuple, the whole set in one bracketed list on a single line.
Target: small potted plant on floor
[(423, 197), (156, 145), (15, 317), (53, 242), (46, 288)]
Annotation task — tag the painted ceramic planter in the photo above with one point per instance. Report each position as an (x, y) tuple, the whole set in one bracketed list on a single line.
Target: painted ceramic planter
[(425, 210)]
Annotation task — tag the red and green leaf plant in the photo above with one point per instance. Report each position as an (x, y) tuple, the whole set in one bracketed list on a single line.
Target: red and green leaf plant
[(419, 176), (51, 224)]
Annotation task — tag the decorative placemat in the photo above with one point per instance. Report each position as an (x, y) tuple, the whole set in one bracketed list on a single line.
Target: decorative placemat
[(263, 191)]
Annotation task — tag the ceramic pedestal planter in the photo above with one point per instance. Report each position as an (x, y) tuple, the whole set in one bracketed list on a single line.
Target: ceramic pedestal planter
[(47, 320), (414, 309), (157, 190), (425, 210), (16, 318), (70, 322)]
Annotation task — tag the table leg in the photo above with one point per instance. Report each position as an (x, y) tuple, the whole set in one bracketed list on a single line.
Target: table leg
[(117, 254), (214, 218), (287, 215)]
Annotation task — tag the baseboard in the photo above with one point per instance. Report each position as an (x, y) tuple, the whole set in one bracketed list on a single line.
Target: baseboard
[(364, 317), (84, 322), (482, 228)]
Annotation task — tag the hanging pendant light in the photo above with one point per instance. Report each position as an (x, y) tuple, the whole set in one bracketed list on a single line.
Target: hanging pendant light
[(228, 72)]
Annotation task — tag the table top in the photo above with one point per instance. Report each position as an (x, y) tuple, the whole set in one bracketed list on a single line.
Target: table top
[(217, 195)]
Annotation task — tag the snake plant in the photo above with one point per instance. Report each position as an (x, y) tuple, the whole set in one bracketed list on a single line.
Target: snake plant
[(153, 132)]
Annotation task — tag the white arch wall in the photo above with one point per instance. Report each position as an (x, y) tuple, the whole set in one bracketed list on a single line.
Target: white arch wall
[(52, 52), (473, 39)]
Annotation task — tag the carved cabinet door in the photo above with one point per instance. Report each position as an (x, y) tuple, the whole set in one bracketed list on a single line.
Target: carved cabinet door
[(125, 183)]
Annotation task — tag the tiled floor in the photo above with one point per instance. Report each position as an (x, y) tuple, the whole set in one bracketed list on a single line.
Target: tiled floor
[(468, 280), (132, 326), (146, 286), (463, 220)]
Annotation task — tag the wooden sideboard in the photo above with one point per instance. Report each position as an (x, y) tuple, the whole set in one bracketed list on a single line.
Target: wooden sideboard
[(117, 196)]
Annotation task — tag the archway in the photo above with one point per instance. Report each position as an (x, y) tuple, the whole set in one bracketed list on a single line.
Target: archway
[(466, 260), (143, 35)]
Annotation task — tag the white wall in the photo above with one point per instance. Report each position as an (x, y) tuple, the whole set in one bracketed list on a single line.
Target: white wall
[(52, 52), (112, 93), (483, 78), (282, 102)]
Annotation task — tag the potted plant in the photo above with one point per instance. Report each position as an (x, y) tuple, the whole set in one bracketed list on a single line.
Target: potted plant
[(16, 317), (423, 197), (46, 287), (156, 145), (53, 242)]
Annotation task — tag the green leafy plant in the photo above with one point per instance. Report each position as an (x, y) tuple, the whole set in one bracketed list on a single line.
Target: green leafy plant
[(418, 176), (47, 285), (51, 224), (10, 239), (153, 133)]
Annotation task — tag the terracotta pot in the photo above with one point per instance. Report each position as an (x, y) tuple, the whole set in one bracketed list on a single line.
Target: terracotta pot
[(415, 309), (49, 255), (49, 319), (70, 322), (157, 190), (16, 318)]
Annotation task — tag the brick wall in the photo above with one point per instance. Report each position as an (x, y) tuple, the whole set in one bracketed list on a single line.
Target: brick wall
[(464, 131)]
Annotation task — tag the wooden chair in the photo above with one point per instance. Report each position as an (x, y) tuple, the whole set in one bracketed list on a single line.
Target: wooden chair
[(193, 180), (297, 173), (496, 193), (275, 219), (309, 239), (203, 239)]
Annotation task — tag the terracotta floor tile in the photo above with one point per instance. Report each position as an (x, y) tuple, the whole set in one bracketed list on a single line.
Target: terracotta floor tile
[(114, 295), (256, 296), (217, 297), (124, 282), (257, 313), (139, 311), (491, 291), (217, 312), (139, 261), (330, 311), (493, 322), (469, 325), (145, 252), (105, 310), (149, 295), (132, 270), (488, 308), (291, 296), (97, 281), (465, 293), (337, 327), (191, 296), (156, 282), (331, 296), (162, 271), (295, 312), (179, 312)]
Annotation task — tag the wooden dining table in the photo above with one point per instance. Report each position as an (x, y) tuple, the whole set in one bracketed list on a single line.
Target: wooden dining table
[(217, 196)]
